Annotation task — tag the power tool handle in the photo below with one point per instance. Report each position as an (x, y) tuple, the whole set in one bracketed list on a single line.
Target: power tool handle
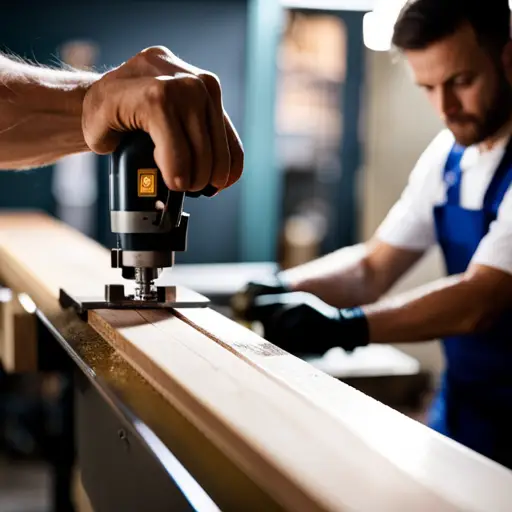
[(143, 141)]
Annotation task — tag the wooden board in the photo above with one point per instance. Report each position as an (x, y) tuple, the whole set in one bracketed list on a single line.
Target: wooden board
[(306, 439)]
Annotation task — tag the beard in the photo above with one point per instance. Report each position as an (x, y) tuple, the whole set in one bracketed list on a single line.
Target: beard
[(469, 129)]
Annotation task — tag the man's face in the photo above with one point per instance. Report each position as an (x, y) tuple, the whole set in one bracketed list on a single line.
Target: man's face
[(465, 84)]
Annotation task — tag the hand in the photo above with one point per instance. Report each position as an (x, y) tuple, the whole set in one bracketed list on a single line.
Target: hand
[(301, 323), (243, 302), (180, 106)]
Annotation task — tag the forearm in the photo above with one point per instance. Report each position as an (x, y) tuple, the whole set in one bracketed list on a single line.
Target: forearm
[(448, 307), (40, 113), (342, 278)]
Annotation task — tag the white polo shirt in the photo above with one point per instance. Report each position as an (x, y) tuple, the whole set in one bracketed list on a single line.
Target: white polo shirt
[(410, 223)]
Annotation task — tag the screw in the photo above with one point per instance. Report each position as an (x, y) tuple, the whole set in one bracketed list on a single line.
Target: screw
[(124, 438)]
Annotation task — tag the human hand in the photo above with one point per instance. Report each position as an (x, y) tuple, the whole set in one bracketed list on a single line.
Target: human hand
[(180, 106), (243, 302), (301, 323)]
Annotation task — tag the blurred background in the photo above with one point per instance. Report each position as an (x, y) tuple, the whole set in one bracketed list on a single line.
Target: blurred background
[(331, 127)]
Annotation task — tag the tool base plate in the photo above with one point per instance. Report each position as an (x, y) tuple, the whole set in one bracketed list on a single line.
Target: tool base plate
[(175, 297)]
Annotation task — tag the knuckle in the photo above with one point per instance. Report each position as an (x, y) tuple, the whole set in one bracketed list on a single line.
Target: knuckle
[(157, 91), (151, 61), (193, 87), (191, 82), (212, 82), (155, 52)]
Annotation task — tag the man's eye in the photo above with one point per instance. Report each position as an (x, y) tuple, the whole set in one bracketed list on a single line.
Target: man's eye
[(463, 81)]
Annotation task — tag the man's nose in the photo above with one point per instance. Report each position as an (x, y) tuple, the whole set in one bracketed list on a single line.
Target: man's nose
[(447, 102)]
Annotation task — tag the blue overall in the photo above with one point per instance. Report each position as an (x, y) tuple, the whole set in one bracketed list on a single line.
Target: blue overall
[(474, 403)]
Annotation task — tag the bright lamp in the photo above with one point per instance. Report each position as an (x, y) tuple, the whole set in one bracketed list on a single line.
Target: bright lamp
[(378, 24)]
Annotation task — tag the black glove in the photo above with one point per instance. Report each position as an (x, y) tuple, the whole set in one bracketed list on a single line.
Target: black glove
[(243, 302), (302, 324)]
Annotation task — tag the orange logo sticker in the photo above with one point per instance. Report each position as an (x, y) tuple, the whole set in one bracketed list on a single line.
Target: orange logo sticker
[(147, 182)]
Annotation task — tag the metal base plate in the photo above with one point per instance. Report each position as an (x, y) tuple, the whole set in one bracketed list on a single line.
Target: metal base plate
[(173, 297)]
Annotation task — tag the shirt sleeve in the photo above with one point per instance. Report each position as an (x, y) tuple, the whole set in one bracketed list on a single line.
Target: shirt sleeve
[(410, 222), (495, 249)]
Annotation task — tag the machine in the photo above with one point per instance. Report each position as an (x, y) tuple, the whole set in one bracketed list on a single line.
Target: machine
[(151, 227)]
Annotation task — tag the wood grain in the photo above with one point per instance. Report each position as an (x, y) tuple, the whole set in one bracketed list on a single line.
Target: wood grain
[(308, 440), (272, 432)]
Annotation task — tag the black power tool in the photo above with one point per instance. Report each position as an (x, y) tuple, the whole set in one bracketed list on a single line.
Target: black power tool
[(151, 227)]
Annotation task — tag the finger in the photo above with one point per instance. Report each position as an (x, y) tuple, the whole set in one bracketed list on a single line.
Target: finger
[(220, 149), (196, 128), (220, 146), (172, 152), (236, 153)]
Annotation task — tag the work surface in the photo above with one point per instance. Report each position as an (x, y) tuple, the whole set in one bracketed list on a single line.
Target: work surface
[(282, 430)]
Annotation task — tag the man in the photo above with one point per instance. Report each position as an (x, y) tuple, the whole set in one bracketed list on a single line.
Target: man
[(458, 196), (46, 114)]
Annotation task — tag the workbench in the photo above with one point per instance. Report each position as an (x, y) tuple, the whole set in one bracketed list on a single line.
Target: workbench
[(188, 410)]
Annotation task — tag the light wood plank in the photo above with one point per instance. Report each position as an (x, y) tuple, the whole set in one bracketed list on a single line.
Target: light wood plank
[(439, 463), (307, 439), (278, 437)]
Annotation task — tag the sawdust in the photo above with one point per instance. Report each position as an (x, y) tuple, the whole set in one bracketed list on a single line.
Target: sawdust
[(94, 351)]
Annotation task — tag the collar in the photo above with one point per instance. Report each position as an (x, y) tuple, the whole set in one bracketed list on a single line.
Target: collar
[(476, 155)]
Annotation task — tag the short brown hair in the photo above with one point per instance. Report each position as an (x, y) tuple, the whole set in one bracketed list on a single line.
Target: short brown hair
[(424, 22)]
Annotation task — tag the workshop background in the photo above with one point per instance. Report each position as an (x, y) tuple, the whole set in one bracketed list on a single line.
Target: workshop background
[(331, 128)]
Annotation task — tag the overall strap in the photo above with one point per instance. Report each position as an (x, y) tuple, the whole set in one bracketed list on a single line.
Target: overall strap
[(500, 182), (453, 174)]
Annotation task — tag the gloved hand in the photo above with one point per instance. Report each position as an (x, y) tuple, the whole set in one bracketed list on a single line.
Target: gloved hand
[(243, 303), (302, 324)]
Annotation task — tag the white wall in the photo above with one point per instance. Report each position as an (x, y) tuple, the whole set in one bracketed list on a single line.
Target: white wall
[(398, 124)]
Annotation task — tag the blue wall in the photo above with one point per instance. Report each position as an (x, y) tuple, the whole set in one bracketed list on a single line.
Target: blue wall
[(210, 34), (345, 195)]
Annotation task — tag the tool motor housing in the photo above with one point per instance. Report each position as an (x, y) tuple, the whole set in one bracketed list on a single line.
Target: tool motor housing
[(146, 216)]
